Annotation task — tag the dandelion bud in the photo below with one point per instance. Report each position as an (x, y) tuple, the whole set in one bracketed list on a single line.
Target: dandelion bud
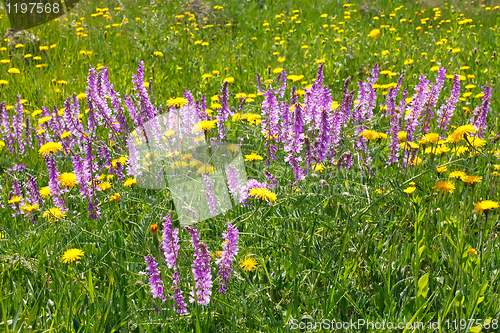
[(154, 231), (477, 62), (475, 50), (494, 53)]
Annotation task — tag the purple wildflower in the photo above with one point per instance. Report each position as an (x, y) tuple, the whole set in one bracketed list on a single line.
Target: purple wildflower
[(210, 195), (170, 244), (416, 106), (396, 119), (54, 183), (270, 123), (230, 250), (142, 92), (282, 77), (270, 178), (223, 114), (436, 88), (155, 283), (18, 125), (448, 108), (237, 190), (33, 190), (170, 248), (201, 270), (480, 113)]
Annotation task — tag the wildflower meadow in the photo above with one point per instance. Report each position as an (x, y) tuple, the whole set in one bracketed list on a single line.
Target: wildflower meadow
[(250, 166)]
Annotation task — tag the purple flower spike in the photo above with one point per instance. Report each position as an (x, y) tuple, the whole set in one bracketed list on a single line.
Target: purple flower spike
[(170, 248), (480, 113), (155, 283), (201, 270), (230, 250), (210, 195), (448, 108)]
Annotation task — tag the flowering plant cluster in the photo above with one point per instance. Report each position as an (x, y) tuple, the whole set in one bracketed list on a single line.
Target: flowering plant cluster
[(201, 291)]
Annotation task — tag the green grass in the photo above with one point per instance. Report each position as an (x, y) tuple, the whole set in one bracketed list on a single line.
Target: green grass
[(341, 251)]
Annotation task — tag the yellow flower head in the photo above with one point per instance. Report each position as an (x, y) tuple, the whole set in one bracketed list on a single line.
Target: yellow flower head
[(472, 179), (369, 135), (115, 197), (432, 137), (253, 157), (205, 125), (130, 182), (249, 264), (71, 255), (441, 169), (485, 206), (53, 214), (374, 33), (67, 179), (233, 148), (318, 167), (409, 189), (50, 147), (45, 192), (263, 194), (104, 186), (177, 102), (445, 186), (472, 250), (153, 229), (14, 200), (205, 168)]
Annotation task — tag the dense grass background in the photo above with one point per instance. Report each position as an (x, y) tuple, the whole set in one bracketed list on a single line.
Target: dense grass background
[(356, 247)]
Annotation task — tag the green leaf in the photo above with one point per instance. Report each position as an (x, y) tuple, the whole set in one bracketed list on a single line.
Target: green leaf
[(423, 287)]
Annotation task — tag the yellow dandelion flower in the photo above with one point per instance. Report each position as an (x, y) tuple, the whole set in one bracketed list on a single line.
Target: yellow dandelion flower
[(205, 168), (374, 33), (130, 182), (318, 167), (369, 135), (263, 194), (233, 148), (115, 197), (472, 179), (445, 186), (472, 250), (179, 164), (441, 169), (195, 164), (253, 157), (45, 192), (205, 125), (53, 214), (177, 102), (485, 206), (50, 147), (14, 200), (249, 264), (27, 208), (432, 137), (67, 179), (402, 136), (295, 78), (71, 255), (104, 186), (410, 189)]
